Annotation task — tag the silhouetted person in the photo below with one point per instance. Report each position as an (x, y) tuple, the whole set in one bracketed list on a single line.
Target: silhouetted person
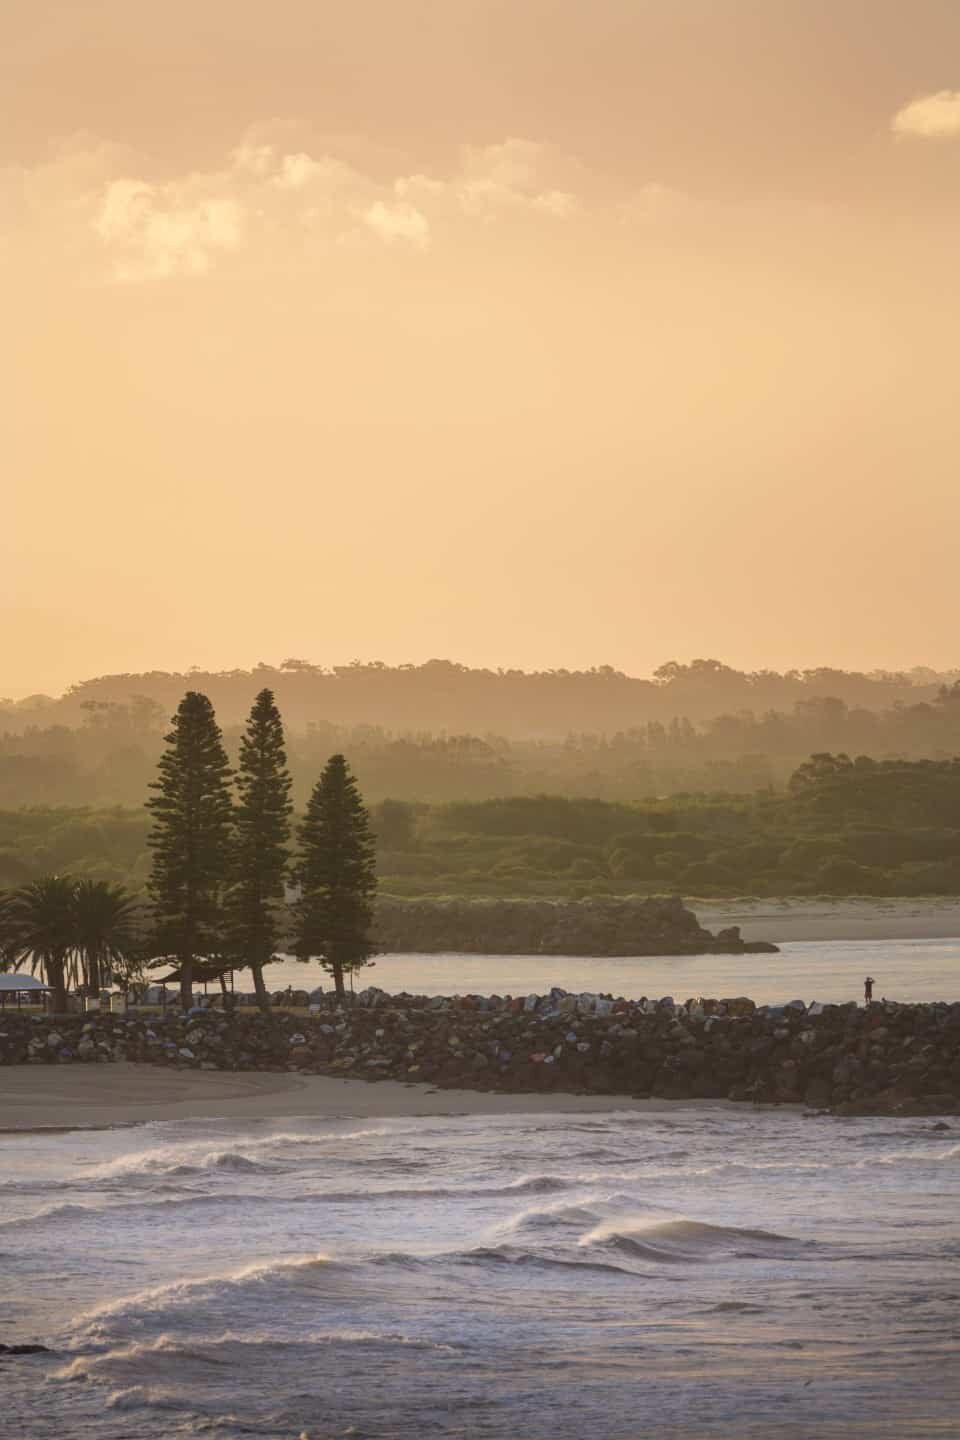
[(868, 985)]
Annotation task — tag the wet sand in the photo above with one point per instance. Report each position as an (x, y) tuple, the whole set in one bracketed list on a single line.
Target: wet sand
[(51, 1097)]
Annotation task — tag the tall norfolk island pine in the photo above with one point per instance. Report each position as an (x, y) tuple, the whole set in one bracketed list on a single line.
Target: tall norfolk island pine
[(336, 875), (191, 838), (261, 835)]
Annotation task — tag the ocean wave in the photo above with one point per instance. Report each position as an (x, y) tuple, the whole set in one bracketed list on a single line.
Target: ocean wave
[(527, 1185), (548, 1217), (306, 1137), (34, 1186), (144, 1397), (173, 1163), (197, 1295), (756, 1167), (57, 1213), (241, 1154), (683, 1241), (492, 1256), (910, 1157), (113, 1211), (153, 1360), (180, 1202), (516, 1255)]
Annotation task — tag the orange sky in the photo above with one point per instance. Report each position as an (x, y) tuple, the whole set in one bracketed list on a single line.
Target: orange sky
[(523, 332)]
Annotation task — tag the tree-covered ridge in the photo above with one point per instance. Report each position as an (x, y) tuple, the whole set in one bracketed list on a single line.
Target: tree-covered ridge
[(111, 757), (443, 697), (843, 826)]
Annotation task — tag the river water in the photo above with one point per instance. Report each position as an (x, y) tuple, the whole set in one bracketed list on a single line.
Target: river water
[(809, 970)]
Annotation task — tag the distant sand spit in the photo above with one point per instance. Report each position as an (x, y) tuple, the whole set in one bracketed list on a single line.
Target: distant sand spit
[(823, 918)]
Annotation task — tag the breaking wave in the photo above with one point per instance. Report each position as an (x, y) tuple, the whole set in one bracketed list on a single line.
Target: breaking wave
[(198, 1294), (167, 1356), (683, 1241), (180, 1203)]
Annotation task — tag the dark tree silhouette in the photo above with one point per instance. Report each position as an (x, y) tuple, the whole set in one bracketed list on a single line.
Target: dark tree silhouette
[(191, 839), (336, 875), (261, 836), (37, 924), (104, 930)]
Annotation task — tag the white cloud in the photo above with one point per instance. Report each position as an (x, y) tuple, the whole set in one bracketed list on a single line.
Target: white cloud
[(931, 117), (398, 222), (126, 206), (510, 176), (301, 170), (153, 236), (117, 218)]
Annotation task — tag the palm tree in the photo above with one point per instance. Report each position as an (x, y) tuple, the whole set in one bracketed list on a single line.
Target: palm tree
[(6, 932), (38, 926), (104, 918)]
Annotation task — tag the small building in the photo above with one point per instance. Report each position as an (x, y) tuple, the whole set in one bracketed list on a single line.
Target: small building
[(17, 986)]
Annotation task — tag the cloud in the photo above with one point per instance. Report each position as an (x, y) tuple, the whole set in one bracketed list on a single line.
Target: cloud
[(284, 195), (398, 222), (931, 117), (153, 236), (510, 176), (300, 171)]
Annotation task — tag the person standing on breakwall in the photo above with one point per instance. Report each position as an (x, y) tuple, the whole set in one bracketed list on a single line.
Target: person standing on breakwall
[(868, 985)]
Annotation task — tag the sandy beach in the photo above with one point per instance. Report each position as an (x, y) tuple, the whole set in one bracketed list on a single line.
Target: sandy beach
[(784, 919), (40, 1097)]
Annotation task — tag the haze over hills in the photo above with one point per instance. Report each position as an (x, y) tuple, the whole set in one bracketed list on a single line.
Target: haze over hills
[(444, 697), (443, 732)]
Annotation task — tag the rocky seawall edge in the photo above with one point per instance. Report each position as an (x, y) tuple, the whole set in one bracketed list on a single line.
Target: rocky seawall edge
[(884, 1058)]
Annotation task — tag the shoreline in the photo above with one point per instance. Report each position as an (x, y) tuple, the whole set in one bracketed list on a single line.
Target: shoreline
[(53, 1099), (784, 919)]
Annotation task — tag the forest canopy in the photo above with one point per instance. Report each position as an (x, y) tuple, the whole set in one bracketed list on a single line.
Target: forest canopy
[(842, 826)]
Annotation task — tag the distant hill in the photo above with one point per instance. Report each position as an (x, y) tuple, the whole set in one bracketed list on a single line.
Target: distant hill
[(445, 698)]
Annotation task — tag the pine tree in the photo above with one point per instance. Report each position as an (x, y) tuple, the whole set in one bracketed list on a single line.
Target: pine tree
[(191, 839), (336, 875), (261, 836)]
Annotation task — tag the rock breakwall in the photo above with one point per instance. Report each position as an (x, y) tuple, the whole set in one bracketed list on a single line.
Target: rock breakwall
[(598, 925), (885, 1058)]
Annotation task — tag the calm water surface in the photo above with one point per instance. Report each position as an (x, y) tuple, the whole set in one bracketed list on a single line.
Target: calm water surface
[(808, 970)]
